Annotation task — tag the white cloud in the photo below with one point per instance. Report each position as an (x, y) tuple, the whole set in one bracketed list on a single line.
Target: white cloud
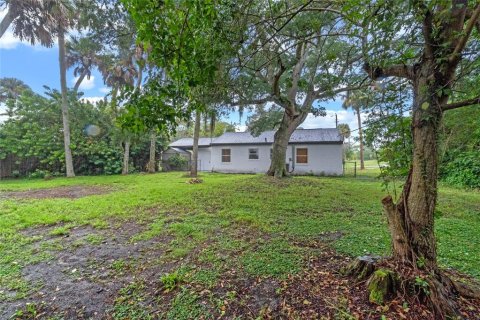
[(3, 109), (344, 116), (86, 84), (240, 128), (92, 100), (8, 41), (104, 90)]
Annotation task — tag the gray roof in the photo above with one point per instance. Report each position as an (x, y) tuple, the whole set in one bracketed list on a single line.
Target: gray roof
[(188, 143), (324, 135), (299, 136), (176, 150)]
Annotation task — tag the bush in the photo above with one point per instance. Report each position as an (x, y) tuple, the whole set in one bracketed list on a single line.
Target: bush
[(177, 161), (463, 170)]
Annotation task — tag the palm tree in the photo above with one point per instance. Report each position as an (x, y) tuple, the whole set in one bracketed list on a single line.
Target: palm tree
[(63, 10), (30, 20), (358, 100), (117, 73), (11, 88), (83, 54), (41, 20), (141, 59), (345, 133)]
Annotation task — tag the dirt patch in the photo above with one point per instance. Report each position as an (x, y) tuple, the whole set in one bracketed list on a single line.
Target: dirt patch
[(70, 192), (96, 268), (82, 280)]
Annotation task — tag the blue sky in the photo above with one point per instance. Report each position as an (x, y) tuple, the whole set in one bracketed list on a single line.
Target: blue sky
[(38, 66)]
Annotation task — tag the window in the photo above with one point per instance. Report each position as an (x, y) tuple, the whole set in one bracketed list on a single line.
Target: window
[(302, 155), (226, 155), (253, 154)]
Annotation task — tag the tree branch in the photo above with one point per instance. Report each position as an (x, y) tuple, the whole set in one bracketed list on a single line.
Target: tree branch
[(398, 70), (456, 54), (464, 103), (247, 102), (427, 34), (276, 78), (326, 94), (297, 70), (426, 15)]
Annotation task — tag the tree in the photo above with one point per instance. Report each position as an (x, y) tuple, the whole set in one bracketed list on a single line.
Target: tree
[(11, 88), (345, 132), (388, 129), (344, 129), (296, 55), (33, 134), (196, 134), (41, 21), (30, 20), (358, 100), (186, 48), (84, 54), (264, 119), (64, 20), (444, 39), (119, 72)]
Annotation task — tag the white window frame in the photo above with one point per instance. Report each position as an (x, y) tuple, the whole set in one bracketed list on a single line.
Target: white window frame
[(296, 156), (256, 152), (224, 155)]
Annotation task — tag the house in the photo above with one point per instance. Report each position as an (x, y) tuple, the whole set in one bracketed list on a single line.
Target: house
[(310, 151)]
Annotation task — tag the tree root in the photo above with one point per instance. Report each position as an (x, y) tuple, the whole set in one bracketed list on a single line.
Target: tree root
[(389, 278), (466, 290), (381, 285), (362, 268)]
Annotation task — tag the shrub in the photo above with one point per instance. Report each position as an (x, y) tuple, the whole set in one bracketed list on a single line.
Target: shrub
[(177, 161), (463, 170)]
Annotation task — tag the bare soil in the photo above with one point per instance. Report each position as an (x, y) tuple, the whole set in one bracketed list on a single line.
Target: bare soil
[(70, 192), (81, 282)]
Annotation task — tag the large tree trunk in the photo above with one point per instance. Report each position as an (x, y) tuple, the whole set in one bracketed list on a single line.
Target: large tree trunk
[(411, 219), (5, 23), (153, 143), (63, 83), (196, 134), (126, 156), (360, 137), (282, 137)]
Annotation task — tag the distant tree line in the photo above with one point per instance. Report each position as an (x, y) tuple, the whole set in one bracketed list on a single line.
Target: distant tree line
[(32, 133)]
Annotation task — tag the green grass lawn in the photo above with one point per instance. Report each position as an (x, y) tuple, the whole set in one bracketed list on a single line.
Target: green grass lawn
[(256, 220)]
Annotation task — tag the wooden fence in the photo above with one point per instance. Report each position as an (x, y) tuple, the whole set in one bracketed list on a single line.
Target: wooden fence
[(12, 166)]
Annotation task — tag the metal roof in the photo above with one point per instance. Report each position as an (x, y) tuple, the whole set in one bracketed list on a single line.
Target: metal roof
[(323, 135), (188, 142), (298, 136), (179, 150)]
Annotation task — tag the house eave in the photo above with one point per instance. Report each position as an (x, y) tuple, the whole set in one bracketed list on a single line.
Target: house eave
[(271, 143)]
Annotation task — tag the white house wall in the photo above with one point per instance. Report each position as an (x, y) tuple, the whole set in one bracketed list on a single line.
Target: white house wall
[(204, 159), (239, 159), (322, 159)]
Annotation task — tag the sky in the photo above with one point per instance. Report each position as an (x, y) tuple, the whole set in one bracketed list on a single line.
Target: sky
[(37, 66)]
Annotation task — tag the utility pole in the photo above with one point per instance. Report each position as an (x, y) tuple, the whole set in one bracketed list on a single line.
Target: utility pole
[(336, 121)]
